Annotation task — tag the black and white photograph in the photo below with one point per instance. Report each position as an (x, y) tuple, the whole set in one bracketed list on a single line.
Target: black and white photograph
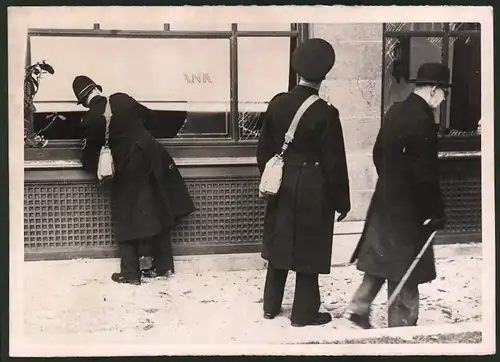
[(251, 180)]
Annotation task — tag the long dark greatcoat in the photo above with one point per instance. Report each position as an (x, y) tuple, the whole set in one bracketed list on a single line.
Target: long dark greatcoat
[(407, 193), (148, 193), (298, 225)]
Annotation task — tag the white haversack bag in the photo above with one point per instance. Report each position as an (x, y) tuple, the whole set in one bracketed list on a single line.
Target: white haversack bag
[(270, 181), (105, 166)]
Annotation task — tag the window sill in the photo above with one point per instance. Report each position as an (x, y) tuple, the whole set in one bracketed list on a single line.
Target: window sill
[(460, 143), (181, 162), (459, 154), (179, 151), (208, 161)]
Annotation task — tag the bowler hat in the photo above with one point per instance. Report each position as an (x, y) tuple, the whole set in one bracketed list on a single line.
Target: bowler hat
[(82, 86), (433, 74), (313, 59)]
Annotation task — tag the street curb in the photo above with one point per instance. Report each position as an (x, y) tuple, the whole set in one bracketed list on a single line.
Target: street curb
[(195, 264), (405, 333), (341, 255)]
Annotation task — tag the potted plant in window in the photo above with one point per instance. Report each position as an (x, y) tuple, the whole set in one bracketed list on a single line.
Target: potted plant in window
[(32, 77)]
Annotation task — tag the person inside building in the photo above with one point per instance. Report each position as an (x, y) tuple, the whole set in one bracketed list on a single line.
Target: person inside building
[(148, 194), (407, 204), (298, 225)]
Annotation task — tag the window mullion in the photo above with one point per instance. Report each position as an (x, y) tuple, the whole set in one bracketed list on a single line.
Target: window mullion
[(445, 59), (233, 75), (384, 71), (28, 119)]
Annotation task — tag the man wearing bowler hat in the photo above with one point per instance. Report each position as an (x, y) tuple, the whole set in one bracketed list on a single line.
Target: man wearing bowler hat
[(148, 194), (407, 205), (298, 225)]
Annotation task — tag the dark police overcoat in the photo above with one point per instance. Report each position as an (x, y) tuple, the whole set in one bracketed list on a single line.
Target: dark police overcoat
[(298, 225), (148, 193), (406, 194)]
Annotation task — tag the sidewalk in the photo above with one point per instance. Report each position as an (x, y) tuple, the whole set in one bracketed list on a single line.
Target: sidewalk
[(209, 302)]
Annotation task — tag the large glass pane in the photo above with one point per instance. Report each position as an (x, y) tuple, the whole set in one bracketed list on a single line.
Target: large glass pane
[(189, 124), (263, 72), (403, 57), (203, 125), (464, 101), (187, 80)]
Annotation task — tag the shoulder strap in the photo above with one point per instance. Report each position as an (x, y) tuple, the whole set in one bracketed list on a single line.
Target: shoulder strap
[(107, 115), (289, 135)]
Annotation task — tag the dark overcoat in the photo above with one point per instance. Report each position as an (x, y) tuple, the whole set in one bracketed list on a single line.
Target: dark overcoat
[(298, 224), (148, 193), (406, 194)]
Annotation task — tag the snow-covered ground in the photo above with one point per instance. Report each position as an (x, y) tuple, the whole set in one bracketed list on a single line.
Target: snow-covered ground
[(72, 299)]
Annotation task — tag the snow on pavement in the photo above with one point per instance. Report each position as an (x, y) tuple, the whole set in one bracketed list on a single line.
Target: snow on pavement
[(77, 298)]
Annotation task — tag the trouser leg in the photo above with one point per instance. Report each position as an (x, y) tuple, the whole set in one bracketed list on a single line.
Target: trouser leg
[(274, 289), (404, 310), (307, 298), (161, 249), (365, 294), (129, 260)]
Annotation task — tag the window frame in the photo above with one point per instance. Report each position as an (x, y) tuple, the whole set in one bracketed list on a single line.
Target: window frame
[(445, 34), (298, 33)]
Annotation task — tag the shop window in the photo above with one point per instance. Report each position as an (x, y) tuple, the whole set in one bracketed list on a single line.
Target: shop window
[(263, 72), (203, 124), (398, 74), (185, 81), (409, 45), (465, 97), (66, 125), (55, 125), (192, 81)]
